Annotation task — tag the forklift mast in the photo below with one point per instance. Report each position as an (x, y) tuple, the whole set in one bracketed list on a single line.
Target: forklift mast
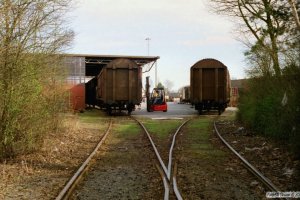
[(148, 94)]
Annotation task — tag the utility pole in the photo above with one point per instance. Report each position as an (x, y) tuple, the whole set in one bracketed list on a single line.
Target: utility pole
[(148, 40), (156, 74), (148, 53)]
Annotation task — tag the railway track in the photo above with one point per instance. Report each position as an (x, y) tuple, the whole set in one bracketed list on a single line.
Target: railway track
[(168, 173), (166, 170), (249, 167), (68, 191), (74, 180)]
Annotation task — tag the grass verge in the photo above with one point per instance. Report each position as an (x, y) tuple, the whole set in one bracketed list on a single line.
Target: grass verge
[(161, 128)]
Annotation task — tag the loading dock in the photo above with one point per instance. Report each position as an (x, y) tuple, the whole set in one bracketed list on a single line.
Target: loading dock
[(82, 68)]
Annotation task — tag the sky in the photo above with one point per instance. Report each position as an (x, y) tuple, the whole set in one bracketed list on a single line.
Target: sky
[(181, 33)]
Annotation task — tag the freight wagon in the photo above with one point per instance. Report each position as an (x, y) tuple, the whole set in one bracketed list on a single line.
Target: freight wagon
[(119, 86), (186, 93), (210, 85)]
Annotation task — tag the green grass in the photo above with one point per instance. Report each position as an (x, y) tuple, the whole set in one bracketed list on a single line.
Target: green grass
[(161, 128), (198, 135), (91, 116), (125, 132), (127, 129), (232, 116)]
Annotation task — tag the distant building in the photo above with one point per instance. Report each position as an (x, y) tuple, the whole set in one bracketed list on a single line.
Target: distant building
[(236, 87), (173, 96)]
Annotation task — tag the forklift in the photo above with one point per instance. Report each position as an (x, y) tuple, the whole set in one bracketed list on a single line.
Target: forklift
[(156, 101)]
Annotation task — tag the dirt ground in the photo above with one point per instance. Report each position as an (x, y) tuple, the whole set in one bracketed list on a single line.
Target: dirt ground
[(272, 158), (42, 174)]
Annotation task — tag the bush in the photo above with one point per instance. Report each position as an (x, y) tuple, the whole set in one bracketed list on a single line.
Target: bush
[(270, 105), (33, 33), (29, 107)]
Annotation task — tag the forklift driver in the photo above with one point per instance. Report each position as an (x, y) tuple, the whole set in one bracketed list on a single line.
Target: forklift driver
[(158, 98)]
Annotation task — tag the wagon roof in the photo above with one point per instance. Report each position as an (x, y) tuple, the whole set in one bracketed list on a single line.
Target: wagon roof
[(122, 63), (209, 63)]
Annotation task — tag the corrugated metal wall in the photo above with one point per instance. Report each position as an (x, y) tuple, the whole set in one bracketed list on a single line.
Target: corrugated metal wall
[(76, 70), (75, 81)]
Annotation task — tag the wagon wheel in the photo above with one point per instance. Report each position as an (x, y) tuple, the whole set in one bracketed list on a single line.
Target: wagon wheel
[(109, 110), (129, 110), (221, 109), (200, 111)]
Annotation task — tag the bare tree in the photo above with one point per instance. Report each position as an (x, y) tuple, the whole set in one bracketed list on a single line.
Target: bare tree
[(169, 85), (295, 13), (263, 23), (32, 33)]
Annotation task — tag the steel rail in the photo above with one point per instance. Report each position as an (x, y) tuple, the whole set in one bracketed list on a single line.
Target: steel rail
[(69, 187), (250, 167), (165, 181), (172, 147), (165, 171), (175, 188)]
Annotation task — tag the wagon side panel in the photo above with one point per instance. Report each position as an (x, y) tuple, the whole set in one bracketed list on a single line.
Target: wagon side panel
[(222, 82), (100, 86), (196, 85), (109, 85), (134, 85), (121, 86), (209, 84)]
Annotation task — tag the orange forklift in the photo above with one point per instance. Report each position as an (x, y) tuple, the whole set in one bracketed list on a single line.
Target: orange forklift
[(157, 100)]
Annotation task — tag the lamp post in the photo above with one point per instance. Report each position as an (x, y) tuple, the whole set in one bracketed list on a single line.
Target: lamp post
[(148, 42)]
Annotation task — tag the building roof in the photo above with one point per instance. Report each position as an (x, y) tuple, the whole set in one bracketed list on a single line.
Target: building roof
[(105, 59), (94, 63)]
